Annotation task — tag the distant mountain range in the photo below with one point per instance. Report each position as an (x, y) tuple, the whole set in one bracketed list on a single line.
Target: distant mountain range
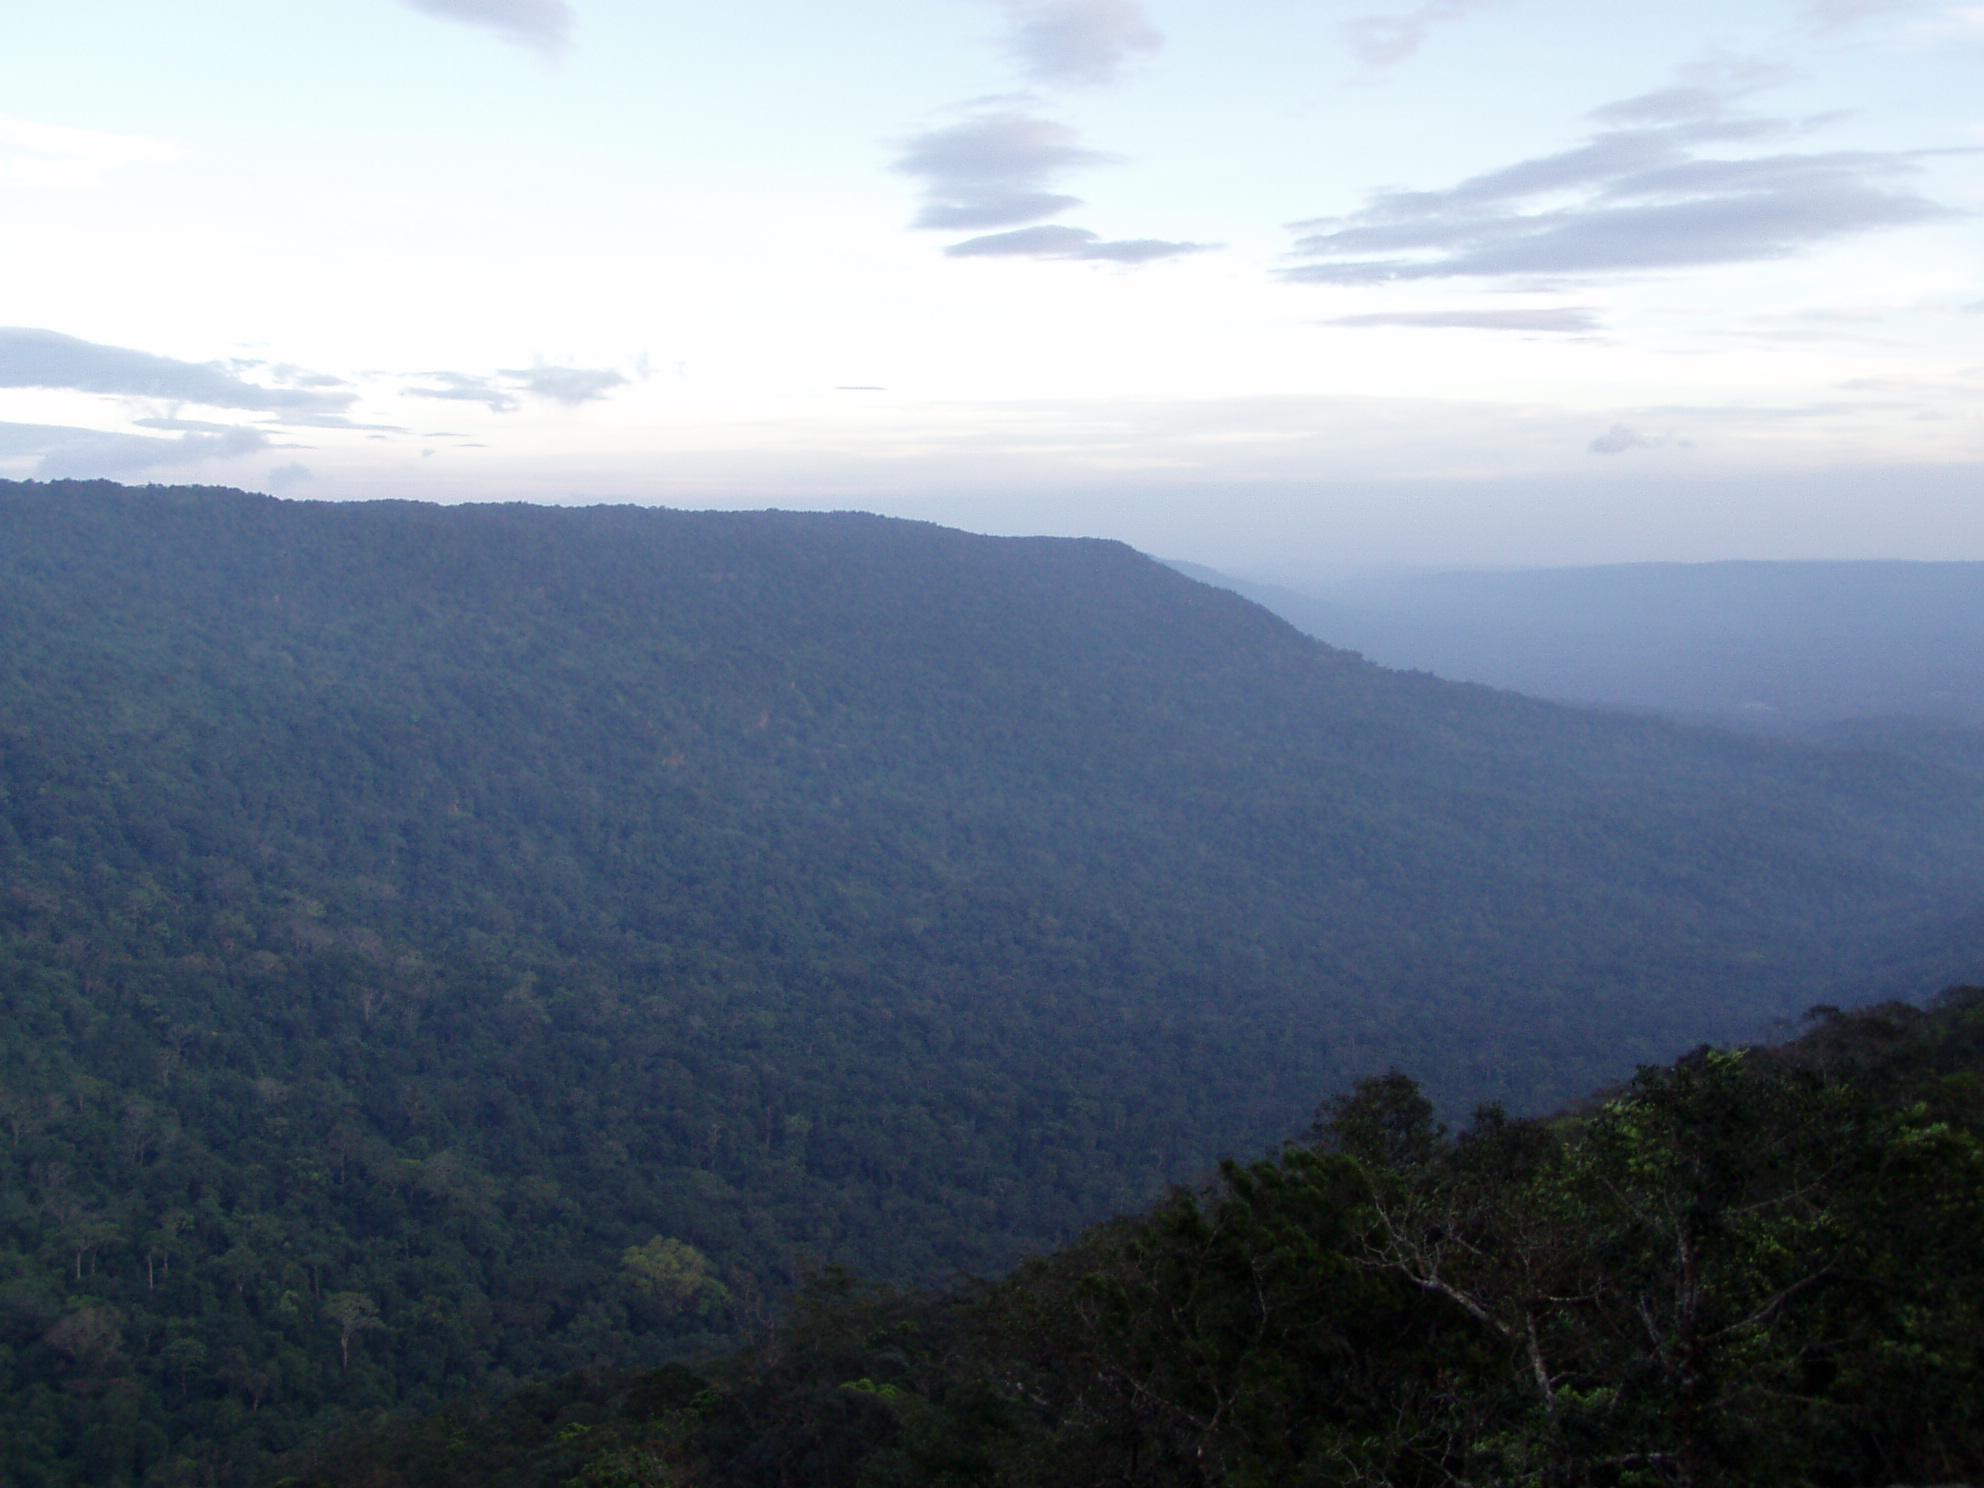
[(1778, 646), (443, 945)]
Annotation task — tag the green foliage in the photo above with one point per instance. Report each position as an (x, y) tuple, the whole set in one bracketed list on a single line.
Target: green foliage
[(674, 1275), (407, 912), (1761, 1266)]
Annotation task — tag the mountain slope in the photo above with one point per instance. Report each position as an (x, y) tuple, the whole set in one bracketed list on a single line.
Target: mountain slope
[(428, 905), (1779, 646), (1759, 1265)]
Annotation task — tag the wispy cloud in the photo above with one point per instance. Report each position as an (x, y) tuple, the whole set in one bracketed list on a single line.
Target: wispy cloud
[(1640, 194), (48, 359), (1833, 15), (53, 155), (70, 453), (570, 386), (1620, 438), (461, 387), (1566, 319), (997, 167), (1077, 41), (1054, 241), (993, 170), (545, 26), (1382, 41)]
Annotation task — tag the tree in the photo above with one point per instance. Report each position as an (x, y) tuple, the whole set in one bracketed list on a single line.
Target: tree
[(182, 1356), (353, 1312), (674, 1275)]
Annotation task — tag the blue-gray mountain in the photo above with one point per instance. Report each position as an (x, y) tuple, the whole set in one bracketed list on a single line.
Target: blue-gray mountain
[(1779, 647), (411, 910)]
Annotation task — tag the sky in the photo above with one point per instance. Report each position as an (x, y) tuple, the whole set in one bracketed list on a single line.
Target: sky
[(1260, 284)]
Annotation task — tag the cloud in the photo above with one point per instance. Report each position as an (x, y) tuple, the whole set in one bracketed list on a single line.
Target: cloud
[(1618, 439), (1637, 195), (1832, 15), (68, 453), (992, 170), (568, 385), (545, 26), (284, 476), (1054, 241), (335, 421), (49, 359), (459, 387), (1382, 41), (1965, 20), (1567, 318), (1078, 41), (73, 159)]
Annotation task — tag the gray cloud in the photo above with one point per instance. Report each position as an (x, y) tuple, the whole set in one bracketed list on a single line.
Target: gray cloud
[(1645, 198), (568, 385), (459, 387), (1054, 241), (992, 171), (1566, 318), (1078, 41), (334, 421), (1618, 439), (89, 453), (284, 476), (48, 359), (542, 25), (1831, 15), (1382, 41)]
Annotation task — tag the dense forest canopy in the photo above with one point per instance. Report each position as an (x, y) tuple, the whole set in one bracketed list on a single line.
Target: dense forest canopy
[(445, 946), (1757, 1266)]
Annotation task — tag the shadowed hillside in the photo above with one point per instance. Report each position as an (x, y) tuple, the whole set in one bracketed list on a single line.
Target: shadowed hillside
[(410, 911)]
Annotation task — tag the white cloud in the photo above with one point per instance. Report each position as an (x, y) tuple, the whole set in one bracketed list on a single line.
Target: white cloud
[(1560, 319), (544, 26), (53, 155)]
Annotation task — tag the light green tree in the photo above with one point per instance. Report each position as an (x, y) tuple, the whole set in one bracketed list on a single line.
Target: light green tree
[(353, 1312), (675, 1275)]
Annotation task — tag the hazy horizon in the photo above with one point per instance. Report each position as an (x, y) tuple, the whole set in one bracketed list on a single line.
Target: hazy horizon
[(1458, 281)]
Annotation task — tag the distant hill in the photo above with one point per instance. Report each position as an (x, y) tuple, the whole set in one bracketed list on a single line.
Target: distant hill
[(1775, 646), (440, 946)]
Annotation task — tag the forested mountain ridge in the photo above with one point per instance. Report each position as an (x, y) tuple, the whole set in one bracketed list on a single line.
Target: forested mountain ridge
[(410, 912)]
